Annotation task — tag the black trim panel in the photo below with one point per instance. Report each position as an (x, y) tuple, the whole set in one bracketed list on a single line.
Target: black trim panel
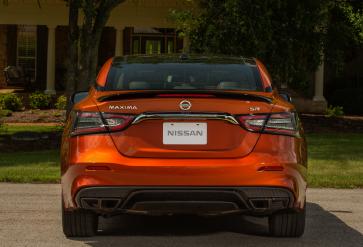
[(194, 200)]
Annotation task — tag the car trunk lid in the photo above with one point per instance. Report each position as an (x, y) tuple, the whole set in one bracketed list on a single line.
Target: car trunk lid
[(164, 128)]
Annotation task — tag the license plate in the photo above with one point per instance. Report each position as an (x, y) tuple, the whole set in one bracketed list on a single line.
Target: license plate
[(185, 133)]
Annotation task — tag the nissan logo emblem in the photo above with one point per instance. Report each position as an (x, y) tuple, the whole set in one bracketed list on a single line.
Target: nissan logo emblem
[(185, 105)]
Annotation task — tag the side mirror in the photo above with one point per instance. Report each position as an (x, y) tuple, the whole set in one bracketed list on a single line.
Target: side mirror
[(286, 97), (75, 98), (78, 96)]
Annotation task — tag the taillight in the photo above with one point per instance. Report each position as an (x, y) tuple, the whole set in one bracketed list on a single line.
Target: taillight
[(117, 122), (88, 122), (253, 123), (275, 123), (95, 122), (282, 123)]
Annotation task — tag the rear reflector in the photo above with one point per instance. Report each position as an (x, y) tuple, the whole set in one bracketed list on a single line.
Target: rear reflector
[(270, 169), (277, 123), (98, 168), (95, 122)]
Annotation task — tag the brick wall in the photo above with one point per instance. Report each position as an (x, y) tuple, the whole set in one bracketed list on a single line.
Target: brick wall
[(3, 53)]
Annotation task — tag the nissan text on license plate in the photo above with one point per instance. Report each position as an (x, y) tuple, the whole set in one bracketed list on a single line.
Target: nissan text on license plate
[(184, 133)]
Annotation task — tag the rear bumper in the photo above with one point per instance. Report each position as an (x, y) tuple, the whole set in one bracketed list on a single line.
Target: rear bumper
[(185, 200), (123, 172), (122, 179)]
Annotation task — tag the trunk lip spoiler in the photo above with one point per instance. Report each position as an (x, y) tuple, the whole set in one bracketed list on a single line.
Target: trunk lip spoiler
[(195, 116), (154, 93)]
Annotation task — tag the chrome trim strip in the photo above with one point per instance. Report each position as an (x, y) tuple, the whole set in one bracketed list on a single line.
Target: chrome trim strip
[(203, 116)]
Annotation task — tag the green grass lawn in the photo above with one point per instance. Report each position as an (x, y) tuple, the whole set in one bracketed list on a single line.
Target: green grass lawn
[(335, 160), (11, 129), (29, 167)]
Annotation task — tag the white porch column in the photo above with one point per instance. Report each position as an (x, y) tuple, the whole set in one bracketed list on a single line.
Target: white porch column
[(319, 83), (51, 61), (119, 47)]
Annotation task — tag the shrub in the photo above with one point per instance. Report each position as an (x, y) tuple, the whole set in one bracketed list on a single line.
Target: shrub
[(10, 102), (334, 111), (2, 127), (39, 100), (349, 98), (61, 103), (5, 113)]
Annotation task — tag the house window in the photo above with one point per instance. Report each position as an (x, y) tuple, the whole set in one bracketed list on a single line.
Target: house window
[(27, 50), (146, 40), (153, 47)]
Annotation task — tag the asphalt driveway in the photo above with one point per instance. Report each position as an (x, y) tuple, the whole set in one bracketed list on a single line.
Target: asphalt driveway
[(30, 216)]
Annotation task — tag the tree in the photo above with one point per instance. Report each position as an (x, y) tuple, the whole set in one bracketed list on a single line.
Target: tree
[(84, 41), (344, 33), (288, 35), (186, 21)]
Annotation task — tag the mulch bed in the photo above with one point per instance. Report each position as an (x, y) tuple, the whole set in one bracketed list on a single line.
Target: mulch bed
[(36, 116), (321, 124)]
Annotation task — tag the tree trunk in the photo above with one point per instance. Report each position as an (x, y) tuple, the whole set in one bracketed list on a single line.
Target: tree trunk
[(73, 38), (96, 15)]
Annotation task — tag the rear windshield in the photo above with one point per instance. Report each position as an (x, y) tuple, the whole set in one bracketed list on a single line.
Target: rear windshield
[(183, 76)]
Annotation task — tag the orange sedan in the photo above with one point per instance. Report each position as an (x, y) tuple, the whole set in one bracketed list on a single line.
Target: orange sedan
[(164, 135)]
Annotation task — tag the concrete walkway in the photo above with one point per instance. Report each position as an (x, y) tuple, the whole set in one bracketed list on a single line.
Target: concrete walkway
[(30, 216)]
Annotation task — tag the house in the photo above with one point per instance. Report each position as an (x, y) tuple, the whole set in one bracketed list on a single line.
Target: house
[(34, 36)]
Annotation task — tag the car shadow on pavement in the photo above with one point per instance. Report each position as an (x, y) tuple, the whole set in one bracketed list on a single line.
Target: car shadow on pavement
[(322, 229)]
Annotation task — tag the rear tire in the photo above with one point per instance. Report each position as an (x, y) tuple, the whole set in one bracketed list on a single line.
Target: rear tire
[(79, 223), (287, 224)]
